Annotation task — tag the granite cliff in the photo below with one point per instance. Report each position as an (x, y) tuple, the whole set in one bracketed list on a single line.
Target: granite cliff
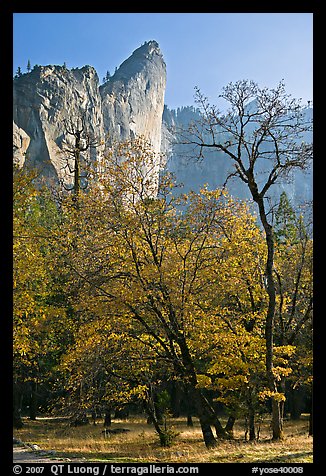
[(133, 98), (130, 103)]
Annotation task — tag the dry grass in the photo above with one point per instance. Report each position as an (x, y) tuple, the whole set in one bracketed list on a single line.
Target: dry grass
[(141, 443)]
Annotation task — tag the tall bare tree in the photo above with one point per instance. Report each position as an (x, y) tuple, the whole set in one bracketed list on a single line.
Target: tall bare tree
[(83, 141), (263, 136)]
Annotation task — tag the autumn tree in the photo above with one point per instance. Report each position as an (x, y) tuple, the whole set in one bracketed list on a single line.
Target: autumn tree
[(262, 135), (41, 331), (147, 262), (237, 371), (23, 293), (294, 287)]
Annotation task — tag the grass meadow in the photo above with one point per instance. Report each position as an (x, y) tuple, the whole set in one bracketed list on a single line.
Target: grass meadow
[(141, 445)]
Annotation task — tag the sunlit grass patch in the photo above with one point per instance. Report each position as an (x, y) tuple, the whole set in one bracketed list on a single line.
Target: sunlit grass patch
[(141, 444)]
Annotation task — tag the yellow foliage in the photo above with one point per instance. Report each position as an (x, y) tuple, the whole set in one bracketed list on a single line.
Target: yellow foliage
[(277, 396), (204, 381)]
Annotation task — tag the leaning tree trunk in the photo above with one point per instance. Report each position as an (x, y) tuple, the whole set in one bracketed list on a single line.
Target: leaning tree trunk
[(209, 439), (207, 418), (204, 410)]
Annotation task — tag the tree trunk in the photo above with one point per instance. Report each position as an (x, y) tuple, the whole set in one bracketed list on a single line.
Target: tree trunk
[(17, 419), (189, 406), (283, 389), (310, 433), (76, 165), (251, 424), (207, 417), (17, 404), (229, 425), (206, 413), (251, 416), (176, 394), (189, 420), (220, 431), (296, 403), (158, 424), (209, 439), (33, 402), (277, 426), (107, 417)]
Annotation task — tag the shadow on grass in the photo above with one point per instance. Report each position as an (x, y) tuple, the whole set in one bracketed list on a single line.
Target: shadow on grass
[(305, 457), (98, 458)]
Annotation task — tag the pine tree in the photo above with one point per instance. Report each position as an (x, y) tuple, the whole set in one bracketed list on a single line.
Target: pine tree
[(28, 66), (18, 72), (285, 220)]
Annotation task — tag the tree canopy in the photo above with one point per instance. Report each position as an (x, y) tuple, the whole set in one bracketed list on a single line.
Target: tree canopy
[(138, 289)]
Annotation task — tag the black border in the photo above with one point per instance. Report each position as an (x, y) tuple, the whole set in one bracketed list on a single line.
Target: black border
[(59, 6)]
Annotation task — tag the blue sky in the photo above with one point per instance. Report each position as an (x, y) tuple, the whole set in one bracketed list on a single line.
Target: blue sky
[(207, 50)]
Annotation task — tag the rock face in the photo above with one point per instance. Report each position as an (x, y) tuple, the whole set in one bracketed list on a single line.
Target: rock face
[(20, 145), (130, 103), (133, 98), (43, 100)]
